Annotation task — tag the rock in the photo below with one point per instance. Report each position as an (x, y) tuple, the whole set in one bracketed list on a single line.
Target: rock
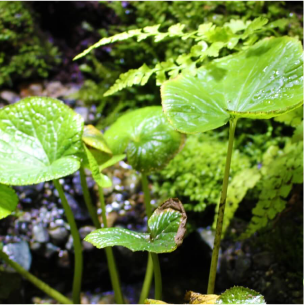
[(83, 111), (34, 89), (78, 211), (40, 233), (59, 234), (50, 249), (69, 244), (64, 259), (20, 253), (9, 96), (83, 232)]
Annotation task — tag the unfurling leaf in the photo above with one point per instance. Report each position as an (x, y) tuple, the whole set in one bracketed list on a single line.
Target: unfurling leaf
[(167, 228)]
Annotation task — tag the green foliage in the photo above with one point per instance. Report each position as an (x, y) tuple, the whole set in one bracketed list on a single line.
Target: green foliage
[(24, 51), (40, 139), (281, 170), (269, 83), (8, 200), (237, 189), (195, 174), (166, 231), (144, 134), (240, 295)]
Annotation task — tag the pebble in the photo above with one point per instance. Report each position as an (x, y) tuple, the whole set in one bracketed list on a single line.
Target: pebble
[(40, 233), (9, 96)]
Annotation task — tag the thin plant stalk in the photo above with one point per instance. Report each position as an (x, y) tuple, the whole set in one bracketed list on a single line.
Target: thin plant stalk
[(56, 295), (147, 281), (87, 199), (76, 243), (155, 262), (109, 254), (221, 211)]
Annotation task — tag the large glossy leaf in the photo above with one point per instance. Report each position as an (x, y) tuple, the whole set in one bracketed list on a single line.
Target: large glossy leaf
[(261, 82), (39, 140), (146, 137), (8, 200), (167, 229)]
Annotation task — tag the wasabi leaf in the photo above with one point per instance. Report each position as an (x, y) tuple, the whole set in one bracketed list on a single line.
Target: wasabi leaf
[(167, 227), (8, 200), (40, 139), (261, 82)]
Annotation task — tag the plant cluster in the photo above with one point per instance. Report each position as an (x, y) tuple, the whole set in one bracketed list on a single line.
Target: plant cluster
[(24, 51)]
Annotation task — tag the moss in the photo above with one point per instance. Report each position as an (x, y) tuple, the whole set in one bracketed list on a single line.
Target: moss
[(24, 52)]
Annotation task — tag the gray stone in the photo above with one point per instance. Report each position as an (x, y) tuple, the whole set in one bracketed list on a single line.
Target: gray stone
[(9, 96), (40, 233)]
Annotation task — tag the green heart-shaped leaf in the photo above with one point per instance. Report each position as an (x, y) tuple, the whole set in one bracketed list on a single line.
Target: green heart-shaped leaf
[(149, 141), (40, 138), (167, 229), (240, 295), (100, 179), (261, 82), (8, 200)]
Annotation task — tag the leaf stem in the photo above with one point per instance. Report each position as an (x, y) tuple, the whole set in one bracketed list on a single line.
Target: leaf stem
[(109, 254), (155, 262), (34, 280), (147, 281), (219, 225), (87, 199), (157, 277), (76, 243)]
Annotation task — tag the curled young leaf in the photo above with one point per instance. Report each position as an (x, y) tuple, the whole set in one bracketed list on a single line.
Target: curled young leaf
[(40, 139), (167, 227), (197, 298)]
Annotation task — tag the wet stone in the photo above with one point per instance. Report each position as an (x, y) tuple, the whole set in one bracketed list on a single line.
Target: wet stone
[(20, 253), (40, 233), (9, 96), (58, 234)]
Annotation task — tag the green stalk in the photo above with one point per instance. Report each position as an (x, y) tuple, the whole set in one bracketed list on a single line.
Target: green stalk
[(76, 243), (110, 257), (56, 295), (147, 281), (220, 218), (87, 199), (157, 277), (157, 274)]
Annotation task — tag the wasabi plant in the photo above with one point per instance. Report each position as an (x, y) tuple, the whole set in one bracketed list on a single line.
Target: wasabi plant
[(40, 140), (150, 143), (97, 152), (261, 82), (167, 228)]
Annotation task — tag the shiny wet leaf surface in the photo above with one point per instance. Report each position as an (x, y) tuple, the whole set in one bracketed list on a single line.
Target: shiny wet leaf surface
[(259, 83), (39, 140), (166, 225)]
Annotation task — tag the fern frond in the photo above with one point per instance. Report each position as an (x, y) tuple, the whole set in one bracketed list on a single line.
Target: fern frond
[(240, 184), (281, 174), (138, 76)]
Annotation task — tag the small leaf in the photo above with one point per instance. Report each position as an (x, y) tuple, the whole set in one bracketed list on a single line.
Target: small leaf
[(255, 25), (100, 179), (144, 134), (261, 82), (40, 139), (240, 295), (167, 227), (176, 29), (111, 162), (8, 200), (94, 138)]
